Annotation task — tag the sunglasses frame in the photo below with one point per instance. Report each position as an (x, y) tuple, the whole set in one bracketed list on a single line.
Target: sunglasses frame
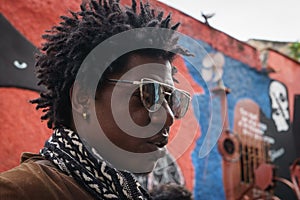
[(149, 80)]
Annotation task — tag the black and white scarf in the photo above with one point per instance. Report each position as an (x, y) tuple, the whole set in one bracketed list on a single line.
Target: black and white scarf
[(102, 181)]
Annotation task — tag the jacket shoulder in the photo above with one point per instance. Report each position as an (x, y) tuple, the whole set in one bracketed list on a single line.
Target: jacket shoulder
[(32, 180)]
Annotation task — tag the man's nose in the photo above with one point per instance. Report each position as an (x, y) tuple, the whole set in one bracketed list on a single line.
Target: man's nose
[(164, 114)]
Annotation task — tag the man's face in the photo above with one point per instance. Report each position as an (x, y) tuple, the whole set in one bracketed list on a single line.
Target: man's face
[(125, 121)]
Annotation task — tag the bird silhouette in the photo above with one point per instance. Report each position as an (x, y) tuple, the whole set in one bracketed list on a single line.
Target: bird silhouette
[(207, 16)]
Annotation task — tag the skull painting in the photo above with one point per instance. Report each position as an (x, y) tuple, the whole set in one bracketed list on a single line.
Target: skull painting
[(280, 105)]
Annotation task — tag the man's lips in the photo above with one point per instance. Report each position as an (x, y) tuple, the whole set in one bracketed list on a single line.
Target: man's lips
[(161, 143), (161, 139)]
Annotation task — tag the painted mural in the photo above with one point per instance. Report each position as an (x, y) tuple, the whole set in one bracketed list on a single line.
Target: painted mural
[(244, 132), (271, 122)]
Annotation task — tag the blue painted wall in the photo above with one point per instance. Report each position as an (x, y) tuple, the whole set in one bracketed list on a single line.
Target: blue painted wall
[(244, 82)]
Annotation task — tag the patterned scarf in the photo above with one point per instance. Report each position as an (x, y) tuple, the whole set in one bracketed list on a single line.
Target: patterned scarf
[(66, 151)]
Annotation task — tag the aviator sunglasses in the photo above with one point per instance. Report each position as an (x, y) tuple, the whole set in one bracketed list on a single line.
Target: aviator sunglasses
[(153, 93)]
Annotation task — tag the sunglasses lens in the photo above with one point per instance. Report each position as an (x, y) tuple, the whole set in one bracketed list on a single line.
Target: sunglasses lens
[(152, 96), (179, 103)]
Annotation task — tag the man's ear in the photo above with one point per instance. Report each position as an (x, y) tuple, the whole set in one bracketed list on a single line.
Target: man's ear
[(80, 99)]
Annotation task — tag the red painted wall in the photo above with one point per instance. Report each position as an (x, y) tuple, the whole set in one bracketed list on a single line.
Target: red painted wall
[(21, 129), (33, 17)]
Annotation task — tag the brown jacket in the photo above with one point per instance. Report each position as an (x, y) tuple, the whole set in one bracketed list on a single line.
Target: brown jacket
[(36, 179)]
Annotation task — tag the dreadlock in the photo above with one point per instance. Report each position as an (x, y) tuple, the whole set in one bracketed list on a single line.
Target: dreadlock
[(68, 43)]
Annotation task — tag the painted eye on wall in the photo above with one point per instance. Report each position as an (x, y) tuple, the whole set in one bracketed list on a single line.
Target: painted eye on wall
[(282, 97), (20, 65), (16, 59)]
